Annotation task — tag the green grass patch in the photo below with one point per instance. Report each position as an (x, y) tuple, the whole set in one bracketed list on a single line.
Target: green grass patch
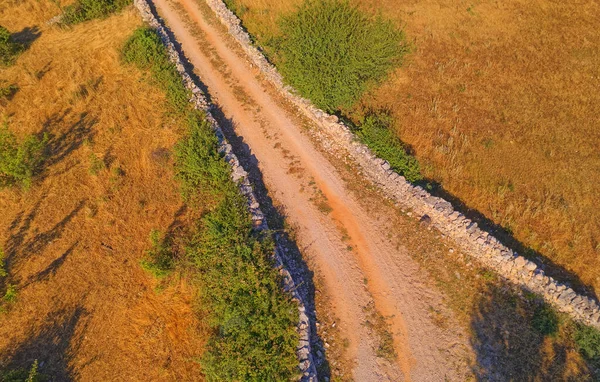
[(251, 318), (376, 132), (332, 52), (20, 161), (9, 49), (85, 10), (146, 51)]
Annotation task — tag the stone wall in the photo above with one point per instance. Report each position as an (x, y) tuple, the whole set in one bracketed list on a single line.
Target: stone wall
[(481, 245), (239, 175)]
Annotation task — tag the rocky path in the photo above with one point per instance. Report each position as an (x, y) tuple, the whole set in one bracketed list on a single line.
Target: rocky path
[(345, 244)]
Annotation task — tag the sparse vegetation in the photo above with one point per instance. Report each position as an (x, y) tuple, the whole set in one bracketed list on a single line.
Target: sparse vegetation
[(96, 164), (251, 319), (146, 51), (19, 161), (332, 52), (85, 10), (9, 49)]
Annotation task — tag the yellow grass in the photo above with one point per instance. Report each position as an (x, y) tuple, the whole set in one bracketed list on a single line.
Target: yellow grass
[(500, 102), (74, 241)]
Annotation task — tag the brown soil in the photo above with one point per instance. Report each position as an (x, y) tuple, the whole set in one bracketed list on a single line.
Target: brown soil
[(85, 308), (344, 242)]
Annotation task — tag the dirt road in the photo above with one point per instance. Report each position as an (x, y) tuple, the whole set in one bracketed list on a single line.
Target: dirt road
[(345, 244)]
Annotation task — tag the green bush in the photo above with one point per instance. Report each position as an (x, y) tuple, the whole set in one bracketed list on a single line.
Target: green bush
[(19, 161), (146, 51), (9, 49), (332, 52), (376, 133), (159, 259), (253, 320), (84, 10), (545, 320), (588, 341)]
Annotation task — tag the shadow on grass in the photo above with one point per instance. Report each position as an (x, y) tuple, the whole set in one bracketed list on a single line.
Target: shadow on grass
[(515, 341), (24, 241), (26, 36), (551, 268), (52, 346)]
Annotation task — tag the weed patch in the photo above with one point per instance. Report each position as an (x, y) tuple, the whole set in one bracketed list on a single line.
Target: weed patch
[(85, 10), (159, 259), (588, 341), (19, 161), (332, 52)]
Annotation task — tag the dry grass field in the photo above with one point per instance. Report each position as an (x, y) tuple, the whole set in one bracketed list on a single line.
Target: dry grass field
[(85, 308), (500, 102)]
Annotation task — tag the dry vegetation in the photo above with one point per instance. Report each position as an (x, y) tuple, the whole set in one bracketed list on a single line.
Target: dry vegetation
[(499, 102), (82, 304)]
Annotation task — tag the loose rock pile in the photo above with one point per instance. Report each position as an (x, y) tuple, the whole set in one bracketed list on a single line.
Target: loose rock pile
[(441, 214), (239, 175)]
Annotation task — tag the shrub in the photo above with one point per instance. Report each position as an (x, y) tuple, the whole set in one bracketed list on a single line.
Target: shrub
[(252, 319), (9, 49), (588, 341), (23, 375), (84, 10), (376, 133), (19, 162), (545, 320), (146, 51), (332, 52), (159, 259)]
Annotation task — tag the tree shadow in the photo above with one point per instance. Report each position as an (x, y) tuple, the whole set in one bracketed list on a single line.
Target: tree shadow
[(507, 238), (62, 145), (510, 346), (53, 346), (19, 247), (52, 268), (26, 36)]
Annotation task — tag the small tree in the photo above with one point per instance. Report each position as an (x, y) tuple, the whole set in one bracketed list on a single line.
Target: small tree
[(19, 161), (9, 49)]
